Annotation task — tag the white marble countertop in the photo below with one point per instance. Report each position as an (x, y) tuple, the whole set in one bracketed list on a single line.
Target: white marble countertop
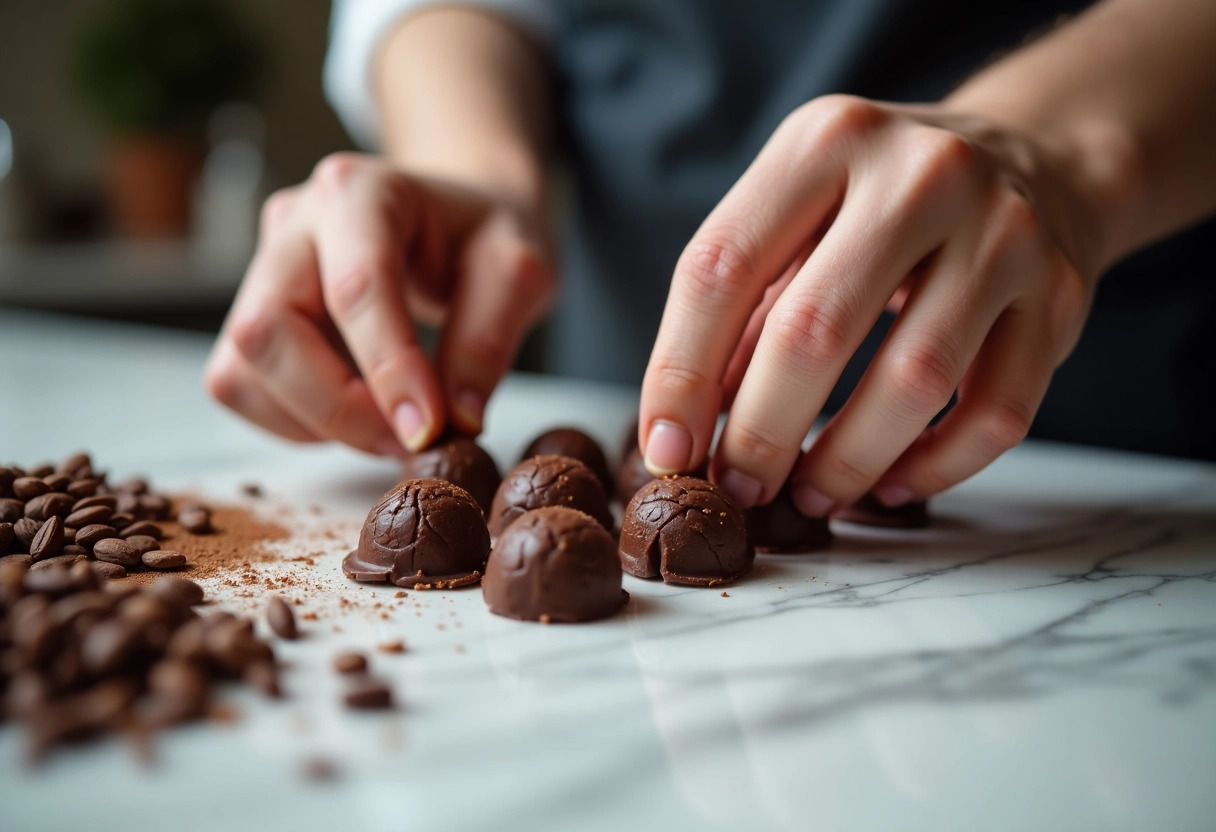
[(1044, 657)]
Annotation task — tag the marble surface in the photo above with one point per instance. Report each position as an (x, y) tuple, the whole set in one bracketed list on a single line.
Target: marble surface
[(1043, 657)]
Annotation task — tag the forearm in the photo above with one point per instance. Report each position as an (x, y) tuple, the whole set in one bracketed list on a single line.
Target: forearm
[(465, 97), (1123, 98)]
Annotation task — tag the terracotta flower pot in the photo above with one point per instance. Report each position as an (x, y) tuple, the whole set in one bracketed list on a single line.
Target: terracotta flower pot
[(151, 183)]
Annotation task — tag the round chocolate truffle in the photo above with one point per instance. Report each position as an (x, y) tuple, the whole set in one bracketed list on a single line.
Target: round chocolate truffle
[(554, 564), (686, 530), (633, 475), (548, 481), (572, 442), (460, 461), (425, 534), (868, 511), (780, 527)]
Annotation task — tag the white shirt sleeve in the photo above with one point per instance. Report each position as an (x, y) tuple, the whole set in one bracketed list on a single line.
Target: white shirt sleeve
[(355, 30)]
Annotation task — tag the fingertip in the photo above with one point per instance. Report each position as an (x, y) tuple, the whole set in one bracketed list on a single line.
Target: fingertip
[(468, 411), (810, 501), (893, 495), (668, 448), (413, 429)]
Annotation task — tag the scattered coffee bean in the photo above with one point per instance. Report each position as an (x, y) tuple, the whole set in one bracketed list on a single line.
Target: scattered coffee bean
[(195, 519), (280, 618), (48, 505), (57, 562), (27, 488), (143, 528), (394, 646), (350, 662), (179, 591), (162, 559), (83, 488), (134, 485), (74, 549), (264, 677), (24, 530), (25, 560), (144, 543), (79, 518), (122, 519), (57, 482), (75, 462), (107, 500), (11, 510), (108, 570), (251, 489), (115, 550), (320, 770), (48, 541), (89, 535), (41, 470), (155, 507), (6, 536), (369, 694)]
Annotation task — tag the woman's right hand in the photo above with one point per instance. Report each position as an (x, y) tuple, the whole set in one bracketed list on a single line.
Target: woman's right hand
[(320, 343)]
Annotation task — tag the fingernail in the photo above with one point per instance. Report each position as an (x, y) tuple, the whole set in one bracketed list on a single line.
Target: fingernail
[(893, 496), (745, 490), (469, 409), (668, 449), (810, 502), (388, 446), (410, 426)]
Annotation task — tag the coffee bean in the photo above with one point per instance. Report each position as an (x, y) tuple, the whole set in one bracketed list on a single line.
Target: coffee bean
[(22, 559), (83, 575), (69, 534), (114, 550), (25, 530), (180, 691), (75, 462), (42, 470), (111, 646), (26, 488), (57, 482), (155, 507), (92, 515), (48, 541), (6, 536), (109, 571), (74, 549), (83, 488), (280, 618), (147, 610), (56, 562), (11, 510), (162, 559), (122, 519), (320, 770), (188, 641), (351, 662), (144, 543), (134, 485), (179, 591), (35, 635), (264, 677), (68, 609), (107, 500), (7, 476), (142, 527), (369, 694), (53, 580), (196, 520), (89, 535), (53, 503)]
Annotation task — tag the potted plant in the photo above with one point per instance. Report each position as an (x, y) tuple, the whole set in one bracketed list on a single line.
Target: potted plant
[(152, 72)]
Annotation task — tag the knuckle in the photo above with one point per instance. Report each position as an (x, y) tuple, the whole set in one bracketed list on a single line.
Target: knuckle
[(715, 268), (931, 480), (222, 384), (813, 335), (678, 381), (336, 170), (923, 378), (277, 207), (945, 153), (484, 351), (347, 290), (832, 120), (1004, 425), (752, 443), (840, 467), (252, 333)]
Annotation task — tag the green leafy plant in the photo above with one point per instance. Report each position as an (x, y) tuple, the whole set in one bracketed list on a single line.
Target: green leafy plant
[(162, 65)]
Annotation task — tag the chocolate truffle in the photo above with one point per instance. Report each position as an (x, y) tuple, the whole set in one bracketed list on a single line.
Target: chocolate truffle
[(554, 564), (548, 481), (688, 531), (460, 461), (780, 527), (573, 443), (425, 534), (868, 511), (633, 475)]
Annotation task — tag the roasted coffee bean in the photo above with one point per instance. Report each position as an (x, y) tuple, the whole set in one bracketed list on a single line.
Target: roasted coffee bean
[(6, 536), (89, 535), (148, 610), (145, 528), (189, 642), (180, 691), (83, 575), (162, 559), (109, 571), (83, 488), (57, 482), (155, 507), (144, 543), (111, 646), (12, 578), (56, 562), (27, 691), (48, 541), (75, 462), (27, 488), (35, 634), (280, 618), (179, 591), (369, 694), (25, 530), (114, 550), (196, 520), (68, 609), (93, 515), (74, 549), (127, 503), (41, 470), (7, 476), (350, 662), (121, 519), (11, 510), (69, 534), (107, 500), (119, 589), (53, 503), (133, 485), (25, 560), (53, 580), (264, 677)]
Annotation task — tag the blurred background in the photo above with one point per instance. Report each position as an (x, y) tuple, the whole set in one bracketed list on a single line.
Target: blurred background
[(138, 139)]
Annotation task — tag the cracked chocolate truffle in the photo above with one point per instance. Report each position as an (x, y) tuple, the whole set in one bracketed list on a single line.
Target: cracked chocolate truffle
[(554, 564), (780, 527), (548, 481), (868, 511), (633, 475), (460, 461), (686, 530), (425, 534), (573, 443)]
